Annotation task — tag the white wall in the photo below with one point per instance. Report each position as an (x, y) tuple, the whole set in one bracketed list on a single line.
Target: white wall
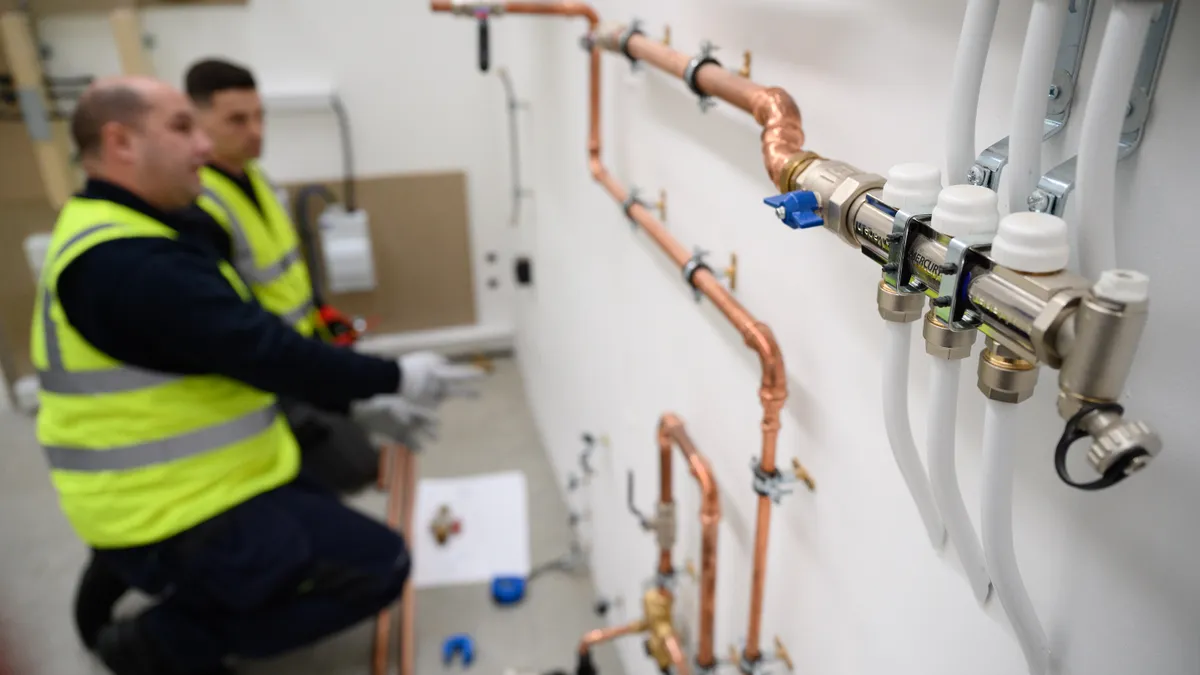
[(409, 113), (610, 338)]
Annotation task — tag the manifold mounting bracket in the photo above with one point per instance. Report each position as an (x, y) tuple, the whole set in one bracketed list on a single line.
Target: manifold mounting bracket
[(951, 305), (992, 161), (1056, 186)]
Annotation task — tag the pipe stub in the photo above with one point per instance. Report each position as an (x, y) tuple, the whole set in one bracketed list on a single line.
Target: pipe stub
[(689, 74), (634, 28)]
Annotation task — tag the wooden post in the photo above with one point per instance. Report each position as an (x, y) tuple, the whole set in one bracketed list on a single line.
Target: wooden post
[(131, 47), (51, 143)]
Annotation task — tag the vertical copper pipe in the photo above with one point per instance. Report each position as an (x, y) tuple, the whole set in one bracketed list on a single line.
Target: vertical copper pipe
[(408, 640), (395, 476), (600, 635), (671, 431), (783, 140)]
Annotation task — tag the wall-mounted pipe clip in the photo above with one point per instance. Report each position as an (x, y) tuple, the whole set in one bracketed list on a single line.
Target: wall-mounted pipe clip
[(693, 265), (634, 28), (627, 205), (771, 485), (704, 58)]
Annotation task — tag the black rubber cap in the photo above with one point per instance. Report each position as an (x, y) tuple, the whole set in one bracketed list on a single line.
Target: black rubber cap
[(524, 271)]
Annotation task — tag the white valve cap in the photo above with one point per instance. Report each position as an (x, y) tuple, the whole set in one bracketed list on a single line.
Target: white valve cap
[(1123, 286), (1034, 243), (913, 188), (966, 209)]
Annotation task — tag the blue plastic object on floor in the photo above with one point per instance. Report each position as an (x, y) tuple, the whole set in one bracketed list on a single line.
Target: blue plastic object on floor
[(460, 644), (508, 590)]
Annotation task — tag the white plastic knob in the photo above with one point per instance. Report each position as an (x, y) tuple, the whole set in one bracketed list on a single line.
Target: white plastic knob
[(1124, 286), (966, 209), (913, 188), (1034, 243)]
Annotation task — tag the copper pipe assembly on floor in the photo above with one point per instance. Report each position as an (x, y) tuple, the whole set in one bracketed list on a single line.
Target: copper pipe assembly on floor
[(671, 432), (398, 473), (782, 139)]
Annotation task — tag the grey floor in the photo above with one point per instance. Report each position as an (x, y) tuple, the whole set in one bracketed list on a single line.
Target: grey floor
[(40, 559)]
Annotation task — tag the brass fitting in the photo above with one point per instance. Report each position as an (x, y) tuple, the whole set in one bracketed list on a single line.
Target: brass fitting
[(803, 475), (745, 71), (731, 271), (793, 167), (898, 307), (657, 606), (944, 343), (1004, 376), (781, 653), (661, 205), (666, 39)]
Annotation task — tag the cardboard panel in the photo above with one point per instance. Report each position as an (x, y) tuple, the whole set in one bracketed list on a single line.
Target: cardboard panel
[(20, 219), (420, 238), (44, 7)]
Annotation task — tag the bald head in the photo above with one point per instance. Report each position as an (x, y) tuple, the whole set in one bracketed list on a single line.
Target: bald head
[(140, 132)]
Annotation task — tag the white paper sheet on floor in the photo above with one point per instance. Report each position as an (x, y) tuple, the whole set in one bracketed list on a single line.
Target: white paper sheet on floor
[(494, 540)]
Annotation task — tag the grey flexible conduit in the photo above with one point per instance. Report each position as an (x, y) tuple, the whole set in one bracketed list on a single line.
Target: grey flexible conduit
[(514, 147)]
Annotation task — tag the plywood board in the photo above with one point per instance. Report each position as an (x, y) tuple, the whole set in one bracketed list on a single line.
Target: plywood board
[(20, 219), (45, 7), (421, 241)]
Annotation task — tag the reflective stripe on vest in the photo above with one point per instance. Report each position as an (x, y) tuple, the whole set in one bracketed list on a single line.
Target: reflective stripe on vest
[(167, 450), (243, 253)]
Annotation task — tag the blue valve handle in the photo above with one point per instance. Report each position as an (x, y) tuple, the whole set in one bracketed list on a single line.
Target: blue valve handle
[(798, 210), (458, 645)]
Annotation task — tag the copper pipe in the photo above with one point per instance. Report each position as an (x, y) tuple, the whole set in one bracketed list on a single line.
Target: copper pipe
[(783, 141), (677, 657), (395, 475), (672, 432), (408, 639), (600, 635)]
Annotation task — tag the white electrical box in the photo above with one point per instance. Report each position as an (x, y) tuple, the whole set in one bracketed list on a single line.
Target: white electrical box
[(346, 250), (37, 247)]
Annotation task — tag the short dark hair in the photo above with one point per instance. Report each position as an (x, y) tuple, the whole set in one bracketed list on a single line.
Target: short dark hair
[(208, 77), (114, 103)]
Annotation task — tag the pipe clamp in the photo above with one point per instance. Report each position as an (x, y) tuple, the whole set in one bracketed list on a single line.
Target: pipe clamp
[(704, 58)]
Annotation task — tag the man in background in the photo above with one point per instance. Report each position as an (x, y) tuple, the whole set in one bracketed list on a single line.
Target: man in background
[(160, 376)]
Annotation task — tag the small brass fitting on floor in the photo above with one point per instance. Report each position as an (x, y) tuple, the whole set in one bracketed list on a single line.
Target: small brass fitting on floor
[(484, 363), (745, 71)]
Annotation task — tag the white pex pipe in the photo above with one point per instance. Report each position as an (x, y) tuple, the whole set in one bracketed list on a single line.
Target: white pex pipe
[(978, 25), (1116, 69), (943, 413), (899, 430), (1046, 23), (1000, 423)]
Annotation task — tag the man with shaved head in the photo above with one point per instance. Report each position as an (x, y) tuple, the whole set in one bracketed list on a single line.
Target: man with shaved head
[(160, 376)]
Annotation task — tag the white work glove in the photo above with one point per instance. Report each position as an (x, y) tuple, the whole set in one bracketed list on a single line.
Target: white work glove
[(428, 378), (396, 418)]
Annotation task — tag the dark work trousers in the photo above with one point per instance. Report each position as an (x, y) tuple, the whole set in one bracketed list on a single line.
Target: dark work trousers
[(280, 571)]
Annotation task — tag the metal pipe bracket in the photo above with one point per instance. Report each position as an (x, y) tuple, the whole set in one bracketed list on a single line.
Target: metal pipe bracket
[(693, 265), (634, 28), (630, 201), (952, 305), (704, 58)]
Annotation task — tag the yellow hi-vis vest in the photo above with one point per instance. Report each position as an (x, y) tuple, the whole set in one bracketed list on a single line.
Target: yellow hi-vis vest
[(266, 247), (138, 456)]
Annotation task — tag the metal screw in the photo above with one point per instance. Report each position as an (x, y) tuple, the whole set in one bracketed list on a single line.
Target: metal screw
[(781, 211), (1055, 91), (948, 268), (943, 301), (977, 176), (895, 237), (1137, 465), (891, 267), (1040, 201)]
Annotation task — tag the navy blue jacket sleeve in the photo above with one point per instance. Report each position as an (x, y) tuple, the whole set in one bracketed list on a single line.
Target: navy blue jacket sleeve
[(164, 305)]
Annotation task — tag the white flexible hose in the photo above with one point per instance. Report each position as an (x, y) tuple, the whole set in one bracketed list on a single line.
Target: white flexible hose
[(973, 45), (899, 430), (1124, 39), (1046, 23), (943, 411), (999, 450)]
